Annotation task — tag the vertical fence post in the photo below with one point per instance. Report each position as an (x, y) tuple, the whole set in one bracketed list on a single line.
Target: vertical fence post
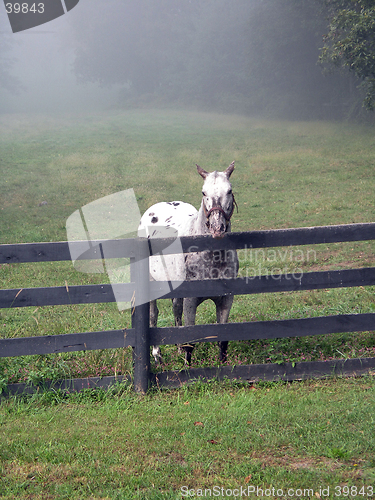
[(141, 317)]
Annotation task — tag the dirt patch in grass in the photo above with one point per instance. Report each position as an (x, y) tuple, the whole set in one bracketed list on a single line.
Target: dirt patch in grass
[(358, 261), (352, 469), (41, 472)]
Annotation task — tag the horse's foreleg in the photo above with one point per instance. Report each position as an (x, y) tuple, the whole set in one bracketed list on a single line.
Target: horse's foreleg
[(223, 346), (177, 311), (154, 313), (223, 307), (190, 305)]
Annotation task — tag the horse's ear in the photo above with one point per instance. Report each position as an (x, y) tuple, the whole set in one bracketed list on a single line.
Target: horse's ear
[(202, 172), (229, 170)]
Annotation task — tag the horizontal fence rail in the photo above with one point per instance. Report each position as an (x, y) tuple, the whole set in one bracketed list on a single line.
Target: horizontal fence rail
[(131, 248), (252, 330), (69, 342), (272, 372), (94, 294), (59, 251)]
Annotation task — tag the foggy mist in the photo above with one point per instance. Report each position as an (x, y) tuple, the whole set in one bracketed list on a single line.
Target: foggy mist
[(243, 56), (41, 62)]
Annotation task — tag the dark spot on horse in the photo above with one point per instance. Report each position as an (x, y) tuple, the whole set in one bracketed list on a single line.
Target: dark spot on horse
[(176, 203), (168, 220), (151, 214), (154, 220), (169, 203)]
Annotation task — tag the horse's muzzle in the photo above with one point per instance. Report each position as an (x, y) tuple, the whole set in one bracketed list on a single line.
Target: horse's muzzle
[(217, 225), (218, 235)]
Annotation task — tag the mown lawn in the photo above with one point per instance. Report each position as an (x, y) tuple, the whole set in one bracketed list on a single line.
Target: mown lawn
[(298, 438)]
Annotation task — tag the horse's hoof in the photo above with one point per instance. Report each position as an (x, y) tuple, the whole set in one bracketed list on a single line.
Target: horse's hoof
[(157, 355)]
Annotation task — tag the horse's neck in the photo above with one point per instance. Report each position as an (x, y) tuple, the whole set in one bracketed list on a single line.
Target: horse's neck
[(200, 223)]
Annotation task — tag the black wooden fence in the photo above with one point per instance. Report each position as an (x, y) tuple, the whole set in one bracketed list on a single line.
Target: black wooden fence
[(140, 336)]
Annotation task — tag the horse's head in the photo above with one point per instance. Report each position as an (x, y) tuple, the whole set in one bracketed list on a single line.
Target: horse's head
[(218, 200)]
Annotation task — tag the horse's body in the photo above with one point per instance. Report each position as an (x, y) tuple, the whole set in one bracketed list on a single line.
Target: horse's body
[(213, 218)]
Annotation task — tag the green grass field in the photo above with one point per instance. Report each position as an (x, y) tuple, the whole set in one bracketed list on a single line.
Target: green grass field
[(117, 445), (287, 175), (299, 438)]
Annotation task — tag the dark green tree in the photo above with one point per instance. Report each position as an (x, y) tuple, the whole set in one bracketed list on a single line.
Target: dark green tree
[(350, 41), (247, 56), (141, 44), (283, 42), (174, 50)]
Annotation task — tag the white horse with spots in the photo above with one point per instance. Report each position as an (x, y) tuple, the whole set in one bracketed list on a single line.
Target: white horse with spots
[(212, 218)]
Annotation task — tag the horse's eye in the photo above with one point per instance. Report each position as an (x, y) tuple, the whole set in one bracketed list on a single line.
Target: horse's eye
[(204, 194), (230, 191)]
